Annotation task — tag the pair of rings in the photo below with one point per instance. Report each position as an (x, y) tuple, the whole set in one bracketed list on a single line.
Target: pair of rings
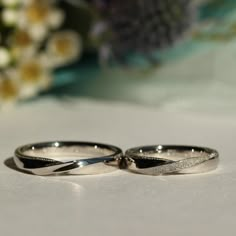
[(74, 158)]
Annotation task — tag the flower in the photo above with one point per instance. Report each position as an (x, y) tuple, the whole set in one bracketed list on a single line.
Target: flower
[(33, 77), (10, 3), (8, 91), (29, 52), (5, 57), (22, 45), (9, 16), (38, 17), (64, 47)]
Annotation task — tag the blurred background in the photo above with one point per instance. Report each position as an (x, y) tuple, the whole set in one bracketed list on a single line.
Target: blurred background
[(174, 55)]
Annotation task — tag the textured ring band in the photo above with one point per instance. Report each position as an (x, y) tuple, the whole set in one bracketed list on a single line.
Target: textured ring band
[(67, 157), (171, 159)]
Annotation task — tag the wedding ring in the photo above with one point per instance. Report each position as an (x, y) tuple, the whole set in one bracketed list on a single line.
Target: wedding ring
[(171, 159), (67, 158)]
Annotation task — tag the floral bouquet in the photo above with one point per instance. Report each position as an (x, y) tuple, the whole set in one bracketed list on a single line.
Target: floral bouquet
[(39, 36), (32, 46)]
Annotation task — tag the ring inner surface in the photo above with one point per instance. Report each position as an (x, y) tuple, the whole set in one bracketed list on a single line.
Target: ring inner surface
[(150, 157), (171, 154), (68, 153)]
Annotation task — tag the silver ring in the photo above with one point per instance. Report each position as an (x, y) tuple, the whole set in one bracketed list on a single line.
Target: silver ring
[(171, 159), (67, 158)]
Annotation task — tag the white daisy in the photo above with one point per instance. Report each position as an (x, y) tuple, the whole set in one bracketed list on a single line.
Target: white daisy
[(38, 17), (8, 91), (10, 3), (9, 16), (22, 45), (33, 78), (64, 47), (5, 57)]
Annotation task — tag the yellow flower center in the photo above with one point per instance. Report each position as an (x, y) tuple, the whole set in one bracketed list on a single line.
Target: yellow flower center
[(22, 39), (8, 89), (63, 46), (37, 12), (31, 72)]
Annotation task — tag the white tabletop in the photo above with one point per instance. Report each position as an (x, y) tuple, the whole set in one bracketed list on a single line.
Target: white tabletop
[(118, 203)]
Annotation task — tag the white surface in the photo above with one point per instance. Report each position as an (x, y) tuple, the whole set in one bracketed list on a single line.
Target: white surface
[(119, 203)]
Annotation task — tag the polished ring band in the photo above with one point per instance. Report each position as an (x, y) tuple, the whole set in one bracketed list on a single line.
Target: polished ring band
[(171, 159), (67, 158)]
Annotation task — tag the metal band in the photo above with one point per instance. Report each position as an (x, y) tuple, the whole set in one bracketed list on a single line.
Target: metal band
[(67, 157), (171, 159)]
